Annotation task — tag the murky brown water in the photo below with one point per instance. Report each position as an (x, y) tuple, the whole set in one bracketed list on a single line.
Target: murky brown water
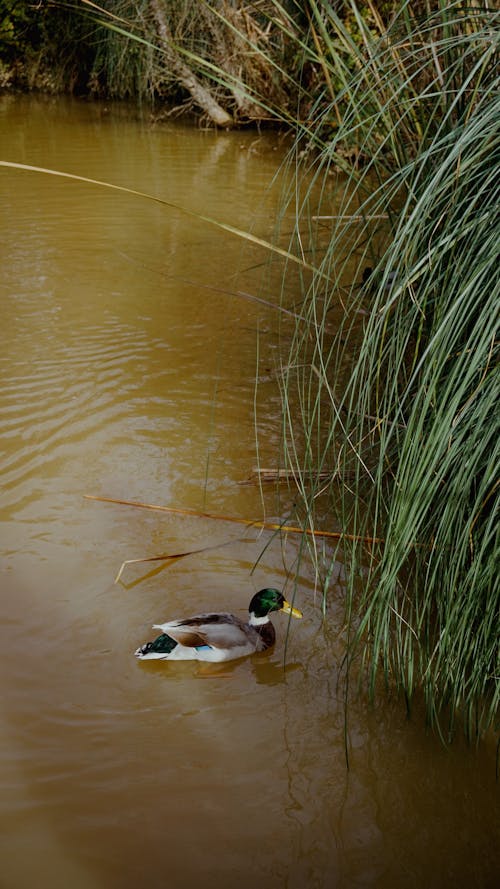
[(123, 375)]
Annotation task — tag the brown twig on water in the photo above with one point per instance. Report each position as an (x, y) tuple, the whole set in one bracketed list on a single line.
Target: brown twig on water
[(250, 523)]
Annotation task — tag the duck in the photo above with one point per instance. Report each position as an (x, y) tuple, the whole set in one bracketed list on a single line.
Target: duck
[(219, 636)]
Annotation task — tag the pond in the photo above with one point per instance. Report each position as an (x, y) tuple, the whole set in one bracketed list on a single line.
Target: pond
[(131, 345)]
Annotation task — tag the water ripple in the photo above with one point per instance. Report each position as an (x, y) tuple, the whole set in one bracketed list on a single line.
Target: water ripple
[(85, 391)]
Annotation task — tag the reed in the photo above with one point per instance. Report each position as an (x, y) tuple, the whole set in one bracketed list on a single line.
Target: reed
[(403, 397)]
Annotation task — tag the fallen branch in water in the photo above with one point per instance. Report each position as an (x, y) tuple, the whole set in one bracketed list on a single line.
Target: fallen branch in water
[(269, 526)]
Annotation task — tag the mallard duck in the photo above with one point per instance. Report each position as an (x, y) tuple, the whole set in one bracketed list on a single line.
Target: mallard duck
[(220, 636)]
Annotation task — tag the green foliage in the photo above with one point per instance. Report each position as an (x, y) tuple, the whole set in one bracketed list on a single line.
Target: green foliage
[(14, 24), (47, 46)]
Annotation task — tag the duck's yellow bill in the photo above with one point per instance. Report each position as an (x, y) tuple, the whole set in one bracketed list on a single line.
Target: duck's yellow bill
[(289, 609)]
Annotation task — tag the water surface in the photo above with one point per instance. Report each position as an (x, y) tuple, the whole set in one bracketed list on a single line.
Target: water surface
[(127, 371)]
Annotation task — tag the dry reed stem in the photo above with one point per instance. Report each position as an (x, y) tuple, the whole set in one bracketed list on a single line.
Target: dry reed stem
[(223, 226), (168, 557), (269, 526)]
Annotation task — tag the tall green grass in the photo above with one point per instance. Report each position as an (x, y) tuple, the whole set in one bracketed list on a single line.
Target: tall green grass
[(403, 399)]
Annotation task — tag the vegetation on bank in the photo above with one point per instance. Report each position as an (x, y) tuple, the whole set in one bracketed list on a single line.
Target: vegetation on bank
[(395, 107), (228, 62)]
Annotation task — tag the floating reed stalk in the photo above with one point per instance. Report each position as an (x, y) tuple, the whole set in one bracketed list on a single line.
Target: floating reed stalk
[(249, 523)]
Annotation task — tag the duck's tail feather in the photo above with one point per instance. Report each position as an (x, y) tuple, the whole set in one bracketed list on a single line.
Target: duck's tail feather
[(163, 644)]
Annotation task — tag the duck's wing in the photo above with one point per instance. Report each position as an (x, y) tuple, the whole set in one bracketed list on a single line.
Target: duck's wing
[(221, 630)]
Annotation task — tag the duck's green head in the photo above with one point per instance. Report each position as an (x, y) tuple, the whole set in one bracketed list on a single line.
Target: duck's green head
[(269, 600)]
